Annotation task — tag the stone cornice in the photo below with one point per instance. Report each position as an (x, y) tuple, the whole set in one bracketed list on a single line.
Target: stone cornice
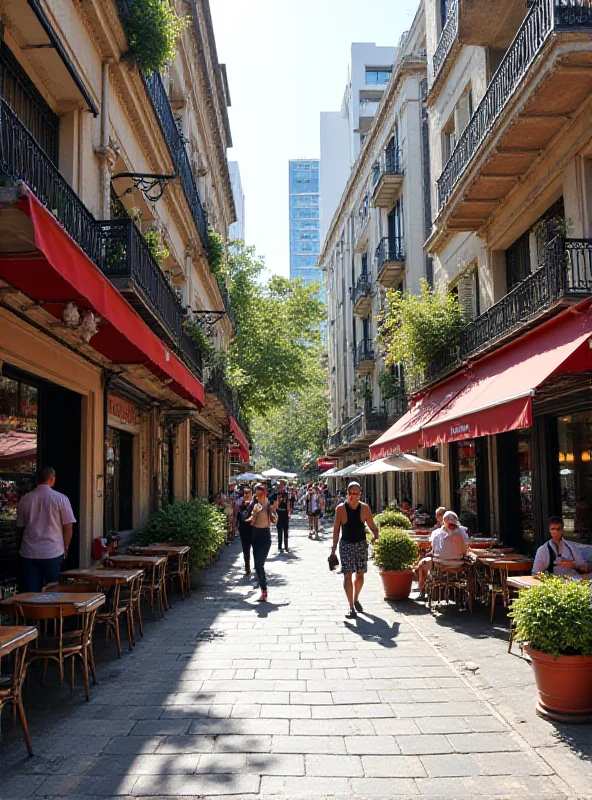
[(102, 19), (407, 66)]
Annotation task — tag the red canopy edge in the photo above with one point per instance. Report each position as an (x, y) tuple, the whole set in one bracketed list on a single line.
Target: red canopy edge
[(499, 396), (242, 440), (122, 331)]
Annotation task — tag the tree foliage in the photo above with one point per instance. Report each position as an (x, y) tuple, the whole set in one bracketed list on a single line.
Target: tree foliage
[(152, 29), (414, 328), (296, 431), (277, 333)]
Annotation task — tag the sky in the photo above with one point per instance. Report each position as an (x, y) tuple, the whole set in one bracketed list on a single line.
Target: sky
[(287, 62)]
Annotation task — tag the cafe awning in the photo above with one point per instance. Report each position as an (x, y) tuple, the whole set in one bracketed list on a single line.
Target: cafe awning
[(498, 397), (58, 271), (406, 434), (242, 441)]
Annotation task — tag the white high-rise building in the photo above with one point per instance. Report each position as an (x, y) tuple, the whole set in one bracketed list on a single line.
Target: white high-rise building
[(237, 229), (343, 132)]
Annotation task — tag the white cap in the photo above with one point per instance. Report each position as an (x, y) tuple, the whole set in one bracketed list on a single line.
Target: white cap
[(450, 516)]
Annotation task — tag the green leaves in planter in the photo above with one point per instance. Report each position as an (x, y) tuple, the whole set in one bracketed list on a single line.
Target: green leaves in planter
[(555, 617), (395, 550), (196, 523), (152, 28), (393, 519)]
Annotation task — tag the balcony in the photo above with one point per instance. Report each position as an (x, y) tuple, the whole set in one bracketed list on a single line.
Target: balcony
[(448, 39), (364, 358), (359, 432), (217, 385), (396, 406), (124, 257), (565, 280), (334, 442), (368, 109), (544, 77), (387, 178), (390, 262), (361, 295), (191, 355), (361, 231)]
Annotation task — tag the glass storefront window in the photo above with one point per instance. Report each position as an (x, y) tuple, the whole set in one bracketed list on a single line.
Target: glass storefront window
[(467, 484), (18, 458), (525, 470), (575, 474)]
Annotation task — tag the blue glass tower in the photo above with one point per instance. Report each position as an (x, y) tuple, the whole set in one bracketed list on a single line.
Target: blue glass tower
[(305, 244)]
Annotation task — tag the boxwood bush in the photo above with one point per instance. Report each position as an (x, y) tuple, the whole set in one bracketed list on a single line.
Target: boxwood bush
[(196, 523), (393, 519), (395, 550), (555, 617)]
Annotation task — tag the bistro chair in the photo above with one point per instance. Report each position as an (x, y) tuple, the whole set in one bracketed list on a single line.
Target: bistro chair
[(181, 569), (445, 581), (119, 603), (153, 587), (59, 644), (11, 691)]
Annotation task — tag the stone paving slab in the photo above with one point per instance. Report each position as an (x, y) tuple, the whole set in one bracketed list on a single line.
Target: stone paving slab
[(226, 698)]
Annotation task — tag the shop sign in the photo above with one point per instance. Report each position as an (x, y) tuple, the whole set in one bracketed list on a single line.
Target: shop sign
[(122, 410), (455, 430)]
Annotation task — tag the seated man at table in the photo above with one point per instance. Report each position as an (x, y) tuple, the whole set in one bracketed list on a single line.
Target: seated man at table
[(450, 537), (558, 556)]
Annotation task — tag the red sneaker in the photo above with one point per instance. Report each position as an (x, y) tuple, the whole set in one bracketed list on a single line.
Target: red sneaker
[(263, 598)]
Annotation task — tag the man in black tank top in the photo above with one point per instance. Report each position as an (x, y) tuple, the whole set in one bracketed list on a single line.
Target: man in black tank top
[(351, 519)]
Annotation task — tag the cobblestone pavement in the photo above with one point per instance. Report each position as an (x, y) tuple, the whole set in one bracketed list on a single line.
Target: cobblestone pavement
[(288, 699)]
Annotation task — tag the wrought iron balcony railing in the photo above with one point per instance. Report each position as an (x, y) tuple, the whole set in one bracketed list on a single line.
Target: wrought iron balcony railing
[(191, 355), (353, 429), (447, 39), (334, 441), (364, 352), (362, 288), (216, 383), (22, 158), (125, 258), (543, 19), (160, 101), (566, 276), (389, 250), (396, 406), (389, 163)]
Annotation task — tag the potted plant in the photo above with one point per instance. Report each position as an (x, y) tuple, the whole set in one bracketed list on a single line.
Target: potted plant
[(395, 553), (393, 519), (554, 622)]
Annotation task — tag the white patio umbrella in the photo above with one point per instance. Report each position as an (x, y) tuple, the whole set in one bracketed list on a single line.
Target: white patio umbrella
[(330, 473), (407, 462), (277, 473), (377, 468), (248, 476), (342, 473)]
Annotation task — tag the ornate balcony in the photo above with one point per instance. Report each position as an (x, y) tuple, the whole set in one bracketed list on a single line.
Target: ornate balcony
[(191, 355), (387, 178), (126, 260), (217, 385), (361, 229), (448, 39), (565, 280), (358, 432), (334, 442), (544, 77), (390, 261), (361, 295), (364, 357)]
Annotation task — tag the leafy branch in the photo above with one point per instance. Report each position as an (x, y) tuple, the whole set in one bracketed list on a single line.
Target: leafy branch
[(152, 28)]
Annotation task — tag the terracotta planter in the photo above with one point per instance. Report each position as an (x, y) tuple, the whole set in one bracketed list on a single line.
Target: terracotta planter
[(564, 685), (397, 585)]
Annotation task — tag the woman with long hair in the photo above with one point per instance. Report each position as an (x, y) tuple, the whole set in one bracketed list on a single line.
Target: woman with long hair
[(260, 519)]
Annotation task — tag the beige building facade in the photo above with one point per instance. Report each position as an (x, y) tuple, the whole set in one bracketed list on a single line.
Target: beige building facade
[(375, 242), (110, 181)]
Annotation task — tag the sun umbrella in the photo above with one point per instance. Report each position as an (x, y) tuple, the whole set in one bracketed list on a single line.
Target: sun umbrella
[(248, 476), (330, 473), (410, 463), (377, 468), (277, 473), (341, 473)]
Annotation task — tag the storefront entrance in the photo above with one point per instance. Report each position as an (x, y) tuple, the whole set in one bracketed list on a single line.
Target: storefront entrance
[(119, 481), (40, 425), (470, 484)]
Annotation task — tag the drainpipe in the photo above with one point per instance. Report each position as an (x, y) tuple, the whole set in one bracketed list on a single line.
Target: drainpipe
[(107, 378)]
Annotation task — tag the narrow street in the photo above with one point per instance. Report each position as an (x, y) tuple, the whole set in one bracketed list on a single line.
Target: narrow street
[(227, 697)]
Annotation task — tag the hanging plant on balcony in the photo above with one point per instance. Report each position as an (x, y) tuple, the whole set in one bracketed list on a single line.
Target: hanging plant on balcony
[(158, 249), (363, 394), (415, 328), (152, 28), (199, 338), (389, 383), (216, 251)]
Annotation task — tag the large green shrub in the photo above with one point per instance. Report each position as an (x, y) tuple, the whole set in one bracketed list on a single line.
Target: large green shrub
[(393, 519), (395, 550), (152, 28), (555, 617), (196, 523)]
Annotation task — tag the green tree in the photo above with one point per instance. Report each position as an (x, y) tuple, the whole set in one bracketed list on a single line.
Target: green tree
[(414, 328), (296, 431), (152, 29), (277, 332)]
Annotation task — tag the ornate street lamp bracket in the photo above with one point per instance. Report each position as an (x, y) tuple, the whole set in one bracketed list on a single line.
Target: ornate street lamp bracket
[(152, 186)]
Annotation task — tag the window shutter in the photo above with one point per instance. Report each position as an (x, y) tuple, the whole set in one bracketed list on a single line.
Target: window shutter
[(467, 296), (462, 115)]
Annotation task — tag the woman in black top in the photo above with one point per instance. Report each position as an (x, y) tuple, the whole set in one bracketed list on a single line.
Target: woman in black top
[(244, 528), (351, 519)]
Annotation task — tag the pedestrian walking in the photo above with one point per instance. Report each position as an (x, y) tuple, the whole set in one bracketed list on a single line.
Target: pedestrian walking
[(244, 527), (351, 518), (314, 509), (261, 518), (283, 507), (44, 518)]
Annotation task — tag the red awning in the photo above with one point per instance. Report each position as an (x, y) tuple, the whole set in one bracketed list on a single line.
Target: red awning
[(498, 397), (61, 272), (405, 434), (240, 437)]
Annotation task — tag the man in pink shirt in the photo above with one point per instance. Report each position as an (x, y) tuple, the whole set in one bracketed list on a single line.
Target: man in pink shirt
[(45, 519)]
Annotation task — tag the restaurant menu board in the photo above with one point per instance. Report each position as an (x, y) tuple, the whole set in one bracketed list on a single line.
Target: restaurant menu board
[(18, 460)]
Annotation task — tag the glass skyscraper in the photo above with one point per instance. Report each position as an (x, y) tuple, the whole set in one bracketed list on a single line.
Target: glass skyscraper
[(305, 244)]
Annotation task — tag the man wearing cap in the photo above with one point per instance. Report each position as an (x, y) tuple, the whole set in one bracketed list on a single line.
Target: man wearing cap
[(351, 518), (451, 542)]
